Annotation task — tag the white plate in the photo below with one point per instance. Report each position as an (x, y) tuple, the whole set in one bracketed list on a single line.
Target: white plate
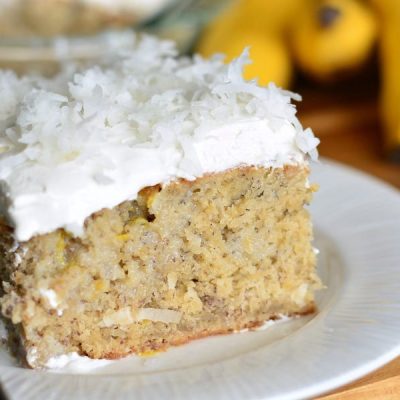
[(356, 330)]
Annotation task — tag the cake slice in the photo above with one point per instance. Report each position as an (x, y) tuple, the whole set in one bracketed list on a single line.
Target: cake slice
[(25, 18), (148, 201)]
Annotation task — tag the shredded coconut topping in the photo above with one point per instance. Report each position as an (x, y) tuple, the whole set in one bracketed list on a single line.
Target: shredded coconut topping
[(93, 137)]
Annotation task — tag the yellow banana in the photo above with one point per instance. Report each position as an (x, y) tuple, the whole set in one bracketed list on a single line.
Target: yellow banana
[(390, 73), (271, 61), (332, 36), (260, 24)]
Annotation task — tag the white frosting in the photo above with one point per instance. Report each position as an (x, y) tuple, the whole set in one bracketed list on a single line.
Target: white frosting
[(268, 324), (92, 139), (73, 362)]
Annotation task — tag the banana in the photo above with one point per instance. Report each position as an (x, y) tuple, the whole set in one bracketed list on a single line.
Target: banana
[(270, 57), (261, 25), (332, 36), (389, 43), (269, 16)]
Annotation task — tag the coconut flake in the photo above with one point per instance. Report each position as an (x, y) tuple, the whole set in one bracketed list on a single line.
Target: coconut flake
[(307, 142), (159, 315), (120, 317)]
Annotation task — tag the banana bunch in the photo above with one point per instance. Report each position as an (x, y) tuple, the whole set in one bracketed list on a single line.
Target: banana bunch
[(326, 39), (322, 37)]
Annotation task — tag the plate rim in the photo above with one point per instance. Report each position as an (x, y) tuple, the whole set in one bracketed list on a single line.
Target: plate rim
[(319, 388)]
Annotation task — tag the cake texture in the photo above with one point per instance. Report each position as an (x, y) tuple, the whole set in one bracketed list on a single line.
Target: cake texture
[(25, 18), (148, 201)]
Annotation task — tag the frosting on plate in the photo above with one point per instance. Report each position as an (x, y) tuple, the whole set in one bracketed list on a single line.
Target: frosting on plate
[(93, 137)]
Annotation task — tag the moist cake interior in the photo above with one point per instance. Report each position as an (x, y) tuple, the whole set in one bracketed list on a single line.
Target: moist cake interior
[(186, 260)]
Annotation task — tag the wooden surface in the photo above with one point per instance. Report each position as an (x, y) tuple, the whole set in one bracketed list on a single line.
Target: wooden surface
[(349, 129)]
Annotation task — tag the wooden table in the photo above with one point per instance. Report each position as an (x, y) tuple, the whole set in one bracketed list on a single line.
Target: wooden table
[(349, 129)]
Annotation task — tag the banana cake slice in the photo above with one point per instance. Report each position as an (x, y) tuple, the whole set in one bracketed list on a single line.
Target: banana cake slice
[(49, 18), (147, 201)]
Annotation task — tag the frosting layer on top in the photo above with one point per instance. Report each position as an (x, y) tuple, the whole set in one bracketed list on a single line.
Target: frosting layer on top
[(93, 137)]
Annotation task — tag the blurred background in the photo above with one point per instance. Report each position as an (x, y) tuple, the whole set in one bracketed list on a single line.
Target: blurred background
[(342, 56)]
